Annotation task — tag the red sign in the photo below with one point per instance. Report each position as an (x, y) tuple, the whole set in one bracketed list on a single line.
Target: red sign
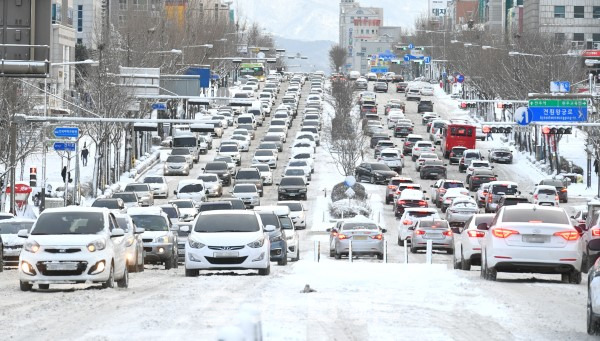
[(21, 188), (591, 53)]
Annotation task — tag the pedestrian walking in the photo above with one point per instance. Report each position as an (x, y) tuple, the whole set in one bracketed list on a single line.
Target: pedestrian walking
[(489, 136), (64, 174), (84, 155), (596, 167)]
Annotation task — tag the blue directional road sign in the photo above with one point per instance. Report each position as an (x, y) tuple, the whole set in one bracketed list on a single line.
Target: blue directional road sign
[(560, 87), (66, 132), (407, 58), (64, 146), (159, 106), (411, 46), (558, 110), (427, 59)]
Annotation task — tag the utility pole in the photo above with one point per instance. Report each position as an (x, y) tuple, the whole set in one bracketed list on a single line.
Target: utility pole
[(13, 164)]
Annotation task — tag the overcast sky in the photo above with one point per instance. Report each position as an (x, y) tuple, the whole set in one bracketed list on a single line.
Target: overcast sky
[(318, 19)]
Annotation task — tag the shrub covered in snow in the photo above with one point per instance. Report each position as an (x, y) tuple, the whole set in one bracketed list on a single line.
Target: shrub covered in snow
[(348, 208), (339, 192)]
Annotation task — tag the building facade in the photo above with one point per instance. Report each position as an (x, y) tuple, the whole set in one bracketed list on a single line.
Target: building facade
[(62, 51), (575, 22), (358, 25)]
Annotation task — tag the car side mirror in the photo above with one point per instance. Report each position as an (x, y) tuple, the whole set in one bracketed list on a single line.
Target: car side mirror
[(431, 186), (594, 245), (139, 230), (206, 192), (328, 230), (175, 192), (483, 226), (411, 228), (383, 230), (117, 233), (270, 228), (184, 228), (23, 233), (530, 193)]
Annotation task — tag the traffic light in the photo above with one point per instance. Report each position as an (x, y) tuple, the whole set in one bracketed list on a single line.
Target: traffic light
[(486, 129), (402, 48), (32, 176), (558, 130), (501, 129), (468, 105), (505, 105)]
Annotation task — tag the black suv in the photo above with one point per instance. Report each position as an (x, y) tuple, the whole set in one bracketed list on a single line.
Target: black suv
[(510, 200), (479, 177), (456, 154), (425, 106), (500, 155), (219, 168), (292, 187), (433, 169), (374, 172), (561, 188)]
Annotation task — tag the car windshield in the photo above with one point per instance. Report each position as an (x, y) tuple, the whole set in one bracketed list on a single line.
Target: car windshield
[(292, 181), (13, 227), (271, 138), (208, 177), (180, 151), (555, 183), (69, 223), (244, 189), (224, 158), (222, 223), (504, 190), (136, 188), (153, 180), (191, 188), (390, 155), (170, 211), (213, 206), (247, 174), (298, 164), (521, 215), (110, 204), (302, 156), (215, 166), (547, 191), (184, 204), (150, 222), (263, 168), (448, 184), (238, 138), (293, 206), (127, 197), (379, 167), (264, 153), (228, 149), (176, 159), (359, 226), (275, 130), (464, 204), (294, 172)]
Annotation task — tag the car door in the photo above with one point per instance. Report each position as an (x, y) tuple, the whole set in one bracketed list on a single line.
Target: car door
[(119, 246), (434, 190)]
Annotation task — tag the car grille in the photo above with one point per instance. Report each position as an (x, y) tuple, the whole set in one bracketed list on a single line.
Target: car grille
[(13, 247), (148, 249), (147, 240), (228, 248), (68, 250), (230, 261), (81, 266)]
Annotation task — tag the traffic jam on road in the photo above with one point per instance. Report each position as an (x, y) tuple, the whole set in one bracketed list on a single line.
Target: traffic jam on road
[(238, 196)]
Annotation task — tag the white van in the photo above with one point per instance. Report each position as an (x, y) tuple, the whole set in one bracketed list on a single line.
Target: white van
[(246, 119), (354, 75)]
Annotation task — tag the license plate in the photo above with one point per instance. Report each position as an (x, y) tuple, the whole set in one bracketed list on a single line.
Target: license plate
[(359, 238), (433, 236), (535, 239), (433, 173), (61, 266), (226, 254)]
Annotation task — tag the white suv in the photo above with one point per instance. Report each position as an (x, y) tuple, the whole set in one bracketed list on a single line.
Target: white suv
[(225, 240), (74, 245)]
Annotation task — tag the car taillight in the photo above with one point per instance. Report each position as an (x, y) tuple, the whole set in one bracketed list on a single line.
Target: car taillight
[(475, 178), (408, 222), (470, 168), (492, 179), (484, 193), (476, 234), (391, 187), (417, 148), (556, 197), (535, 196), (568, 235), (503, 233), (489, 197), (419, 232), (596, 232), (342, 236), (401, 202), (422, 203), (373, 110), (447, 233), (378, 237), (451, 154), (563, 189), (334, 234)]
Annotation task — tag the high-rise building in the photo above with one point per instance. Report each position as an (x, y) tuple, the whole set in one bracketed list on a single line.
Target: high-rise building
[(62, 50), (575, 22), (357, 25)]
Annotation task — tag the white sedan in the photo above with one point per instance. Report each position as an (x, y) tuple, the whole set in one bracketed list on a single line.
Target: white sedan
[(467, 248)]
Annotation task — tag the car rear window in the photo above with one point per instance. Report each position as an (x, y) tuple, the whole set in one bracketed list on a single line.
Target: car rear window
[(514, 201), (453, 185), (547, 191), (520, 215), (433, 224), (555, 183), (359, 226), (504, 190)]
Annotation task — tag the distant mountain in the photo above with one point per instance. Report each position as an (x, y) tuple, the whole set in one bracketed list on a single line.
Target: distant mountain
[(316, 51)]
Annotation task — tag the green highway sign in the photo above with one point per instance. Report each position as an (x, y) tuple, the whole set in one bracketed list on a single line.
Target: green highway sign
[(558, 103)]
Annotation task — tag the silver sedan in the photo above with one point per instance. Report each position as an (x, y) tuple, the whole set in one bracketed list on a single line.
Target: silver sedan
[(461, 209), (366, 239), (438, 231)]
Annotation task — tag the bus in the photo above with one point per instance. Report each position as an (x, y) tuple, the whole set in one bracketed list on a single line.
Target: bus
[(455, 134), (253, 69)]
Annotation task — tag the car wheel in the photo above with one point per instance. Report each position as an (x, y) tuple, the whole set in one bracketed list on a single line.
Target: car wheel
[(124, 282), (584, 263), (592, 324), (492, 274), (169, 263), (465, 263), (297, 258), (110, 283), (450, 251), (387, 200), (455, 262), (25, 286), (44, 286), (283, 261), (413, 249), (191, 272), (400, 243), (266, 271), (372, 180), (338, 255), (380, 256), (175, 262), (573, 277)]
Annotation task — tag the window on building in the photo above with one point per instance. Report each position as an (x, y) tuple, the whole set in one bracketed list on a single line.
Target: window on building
[(122, 5), (578, 37), (80, 18), (79, 41), (596, 37), (559, 11), (56, 13), (579, 12), (596, 12), (559, 38)]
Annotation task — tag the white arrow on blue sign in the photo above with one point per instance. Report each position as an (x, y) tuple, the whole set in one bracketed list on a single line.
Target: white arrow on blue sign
[(66, 132), (411, 46), (159, 106), (64, 146), (427, 59)]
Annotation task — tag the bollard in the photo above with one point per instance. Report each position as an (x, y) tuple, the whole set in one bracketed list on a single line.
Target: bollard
[(405, 251), (350, 252), (385, 251), (319, 252), (323, 216), (429, 251), (316, 251)]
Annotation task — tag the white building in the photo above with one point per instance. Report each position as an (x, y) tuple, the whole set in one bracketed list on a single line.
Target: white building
[(62, 51), (88, 22), (358, 25)]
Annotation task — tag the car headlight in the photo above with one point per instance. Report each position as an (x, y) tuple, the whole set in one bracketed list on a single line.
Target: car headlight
[(303, 190), (276, 238), (96, 245), (257, 243), (194, 244), (130, 241), (162, 239), (31, 246)]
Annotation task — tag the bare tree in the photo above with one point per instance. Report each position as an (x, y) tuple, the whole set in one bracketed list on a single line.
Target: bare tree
[(344, 138), (337, 57)]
